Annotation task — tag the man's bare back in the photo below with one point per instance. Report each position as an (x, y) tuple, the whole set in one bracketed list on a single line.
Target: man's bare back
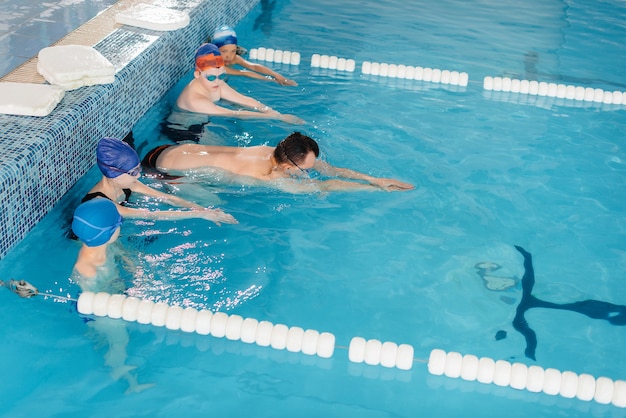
[(252, 161)]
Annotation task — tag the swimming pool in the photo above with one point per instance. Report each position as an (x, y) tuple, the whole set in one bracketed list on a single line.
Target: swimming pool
[(491, 170)]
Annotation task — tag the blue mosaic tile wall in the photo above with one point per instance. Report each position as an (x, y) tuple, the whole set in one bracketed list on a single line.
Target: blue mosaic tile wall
[(42, 158)]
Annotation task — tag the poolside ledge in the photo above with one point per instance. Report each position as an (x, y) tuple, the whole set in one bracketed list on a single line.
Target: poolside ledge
[(41, 158)]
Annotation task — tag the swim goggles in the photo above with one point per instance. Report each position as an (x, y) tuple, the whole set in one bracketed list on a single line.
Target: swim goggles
[(215, 77), (132, 172), (305, 171)]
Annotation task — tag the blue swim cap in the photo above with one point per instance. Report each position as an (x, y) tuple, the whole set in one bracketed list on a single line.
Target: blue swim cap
[(115, 157), (225, 35), (95, 221)]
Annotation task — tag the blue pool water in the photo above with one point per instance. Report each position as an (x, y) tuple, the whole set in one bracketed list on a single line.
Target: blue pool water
[(27, 26), (491, 171)]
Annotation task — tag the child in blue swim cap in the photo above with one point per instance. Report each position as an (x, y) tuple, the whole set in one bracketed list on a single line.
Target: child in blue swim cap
[(97, 224), (121, 169), (96, 221), (225, 39), (115, 157)]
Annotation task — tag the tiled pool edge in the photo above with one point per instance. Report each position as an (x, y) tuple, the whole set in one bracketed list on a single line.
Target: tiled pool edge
[(42, 158)]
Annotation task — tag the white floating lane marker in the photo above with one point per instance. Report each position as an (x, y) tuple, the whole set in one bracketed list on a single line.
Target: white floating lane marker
[(532, 378), (277, 56), (560, 91)]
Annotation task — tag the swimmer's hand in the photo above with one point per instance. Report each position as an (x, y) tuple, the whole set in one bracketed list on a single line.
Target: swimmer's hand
[(218, 216), (285, 81), (392, 185), (291, 119)]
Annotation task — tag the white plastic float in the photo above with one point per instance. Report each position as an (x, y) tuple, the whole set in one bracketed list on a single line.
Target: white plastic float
[(408, 72), (74, 66), (332, 62), (561, 91), (152, 17), (532, 378), (29, 99), (375, 352), (278, 56), (158, 314), (248, 330), (204, 322), (173, 318)]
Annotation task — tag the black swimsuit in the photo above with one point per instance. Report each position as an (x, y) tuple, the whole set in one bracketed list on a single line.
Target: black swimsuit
[(90, 196), (183, 126)]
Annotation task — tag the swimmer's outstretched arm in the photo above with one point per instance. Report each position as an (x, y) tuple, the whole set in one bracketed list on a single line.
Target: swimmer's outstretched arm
[(139, 187), (198, 103), (382, 183), (259, 71), (217, 216), (264, 112), (244, 73), (260, 111), (336, 185), (333, 185)]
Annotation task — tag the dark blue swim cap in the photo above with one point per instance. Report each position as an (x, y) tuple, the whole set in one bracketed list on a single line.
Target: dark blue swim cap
[(95, 221), (225, 35), (115, 157)]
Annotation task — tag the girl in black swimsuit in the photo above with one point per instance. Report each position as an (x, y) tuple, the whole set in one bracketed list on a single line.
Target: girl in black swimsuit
[(121, 168), (90, 196)]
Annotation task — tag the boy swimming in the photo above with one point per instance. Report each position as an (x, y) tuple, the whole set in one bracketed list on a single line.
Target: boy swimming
[(225, 39)]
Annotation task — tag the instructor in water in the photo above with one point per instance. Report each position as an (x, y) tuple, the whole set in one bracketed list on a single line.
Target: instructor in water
[(285, 166)]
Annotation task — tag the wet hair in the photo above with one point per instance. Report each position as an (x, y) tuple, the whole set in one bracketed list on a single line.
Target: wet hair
[(295, 148)]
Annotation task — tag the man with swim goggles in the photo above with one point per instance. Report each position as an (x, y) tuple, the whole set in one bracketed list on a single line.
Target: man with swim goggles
[(293, 157)]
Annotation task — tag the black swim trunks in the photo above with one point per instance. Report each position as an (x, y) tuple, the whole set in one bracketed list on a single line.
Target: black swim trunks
[(149, 163), (150, 160), (193, 133)]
